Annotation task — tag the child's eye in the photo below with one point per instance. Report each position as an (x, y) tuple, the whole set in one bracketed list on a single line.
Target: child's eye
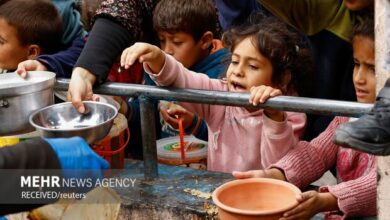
[(234, 62), (356, 64), (253, 67), (177, 43)]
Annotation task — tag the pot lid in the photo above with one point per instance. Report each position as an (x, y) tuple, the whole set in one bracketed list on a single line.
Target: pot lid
[(11, 84), (169, 148)]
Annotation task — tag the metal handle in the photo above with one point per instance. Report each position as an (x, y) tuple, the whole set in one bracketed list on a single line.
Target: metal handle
[(4, 103)]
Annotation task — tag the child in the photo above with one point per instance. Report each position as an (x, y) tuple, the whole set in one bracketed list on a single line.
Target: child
[(266, 61), (185, 32), (28, 29), (355, 195)]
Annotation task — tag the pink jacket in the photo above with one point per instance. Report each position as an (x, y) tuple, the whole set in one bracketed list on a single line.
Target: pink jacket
[(238, 139), (356, 172)]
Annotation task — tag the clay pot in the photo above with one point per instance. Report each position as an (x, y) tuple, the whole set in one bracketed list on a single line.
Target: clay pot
[(255, 198)]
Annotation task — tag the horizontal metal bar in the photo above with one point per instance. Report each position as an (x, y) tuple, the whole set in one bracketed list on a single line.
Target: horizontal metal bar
[(285, 103)]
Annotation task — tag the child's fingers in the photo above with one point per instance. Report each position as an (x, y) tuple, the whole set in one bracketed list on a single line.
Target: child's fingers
[(123, 57), (269, 92), (177, 111), (258, 95), (249, 174), (133, 53), (275, 92), (131, 56), (21, 71), (242, 175), (291, 214), (306, 195), (169, 118)]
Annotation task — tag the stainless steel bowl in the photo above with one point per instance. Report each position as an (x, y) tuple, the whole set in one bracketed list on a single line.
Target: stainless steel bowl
[(20, 97), (63, 120)]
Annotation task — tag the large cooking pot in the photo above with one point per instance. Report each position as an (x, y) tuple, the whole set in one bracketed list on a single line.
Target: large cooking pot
[(20, 97)]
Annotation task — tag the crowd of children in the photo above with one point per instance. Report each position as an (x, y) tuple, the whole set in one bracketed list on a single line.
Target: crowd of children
[(178, 43)]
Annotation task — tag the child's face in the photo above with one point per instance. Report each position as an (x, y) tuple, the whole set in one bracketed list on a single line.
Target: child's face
[(364, 71), (357, 5), (11, 51), (182, 47), (248, 68)]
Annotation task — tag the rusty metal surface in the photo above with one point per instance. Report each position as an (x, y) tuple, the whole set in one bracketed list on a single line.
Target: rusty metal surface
[(171, 192)]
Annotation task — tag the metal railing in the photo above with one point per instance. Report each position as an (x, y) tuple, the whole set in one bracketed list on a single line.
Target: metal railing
[(148, 93)]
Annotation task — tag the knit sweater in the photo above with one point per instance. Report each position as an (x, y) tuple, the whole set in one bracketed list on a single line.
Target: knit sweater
[(356, 172), (238, 139)]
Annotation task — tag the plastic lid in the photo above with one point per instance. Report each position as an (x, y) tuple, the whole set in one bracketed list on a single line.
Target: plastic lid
[(169, 148)]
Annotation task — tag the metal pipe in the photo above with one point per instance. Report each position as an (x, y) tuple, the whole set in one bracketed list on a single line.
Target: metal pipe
[(148, 130), (285, 103)]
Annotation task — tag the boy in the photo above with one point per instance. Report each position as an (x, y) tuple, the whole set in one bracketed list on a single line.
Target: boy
[(186, 30), (28, 29)]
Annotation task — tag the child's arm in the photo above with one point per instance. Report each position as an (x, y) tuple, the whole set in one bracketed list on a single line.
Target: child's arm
[(307, 162), (167, 71), (356, 197)]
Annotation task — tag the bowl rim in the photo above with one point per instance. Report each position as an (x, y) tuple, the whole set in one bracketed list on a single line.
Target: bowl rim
[(227, 208), (72, 129)]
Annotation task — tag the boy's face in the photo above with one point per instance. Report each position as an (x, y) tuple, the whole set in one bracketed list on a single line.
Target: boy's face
[(11, 51), (357, 5), (182, 47), (364, 78), (248, 68)]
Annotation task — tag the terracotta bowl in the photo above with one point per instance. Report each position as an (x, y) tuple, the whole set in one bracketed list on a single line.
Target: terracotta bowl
[(255, 198)]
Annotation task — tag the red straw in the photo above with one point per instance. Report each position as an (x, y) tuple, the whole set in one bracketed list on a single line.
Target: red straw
[(181, 137)]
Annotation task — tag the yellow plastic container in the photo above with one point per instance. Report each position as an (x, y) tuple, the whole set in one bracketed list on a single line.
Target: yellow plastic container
[(12, 140), (8, 141)]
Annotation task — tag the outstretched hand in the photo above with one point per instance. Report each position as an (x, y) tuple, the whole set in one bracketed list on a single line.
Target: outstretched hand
[(146, 53), (29, 65)]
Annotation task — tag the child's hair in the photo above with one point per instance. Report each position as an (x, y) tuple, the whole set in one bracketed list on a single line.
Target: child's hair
[(36, 22), (364, 29), (282, 45), (194, 17)]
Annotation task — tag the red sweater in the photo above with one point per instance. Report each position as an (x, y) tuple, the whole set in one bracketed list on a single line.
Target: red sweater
[(356, 172)]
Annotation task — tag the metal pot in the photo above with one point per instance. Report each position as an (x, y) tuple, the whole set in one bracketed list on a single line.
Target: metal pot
[(20, 97)]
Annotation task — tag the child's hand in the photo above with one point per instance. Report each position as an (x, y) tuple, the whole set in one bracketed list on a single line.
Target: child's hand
[(144, 53), (260, 94), (267, 173), (172, 112), (311, 203), (29, 65)]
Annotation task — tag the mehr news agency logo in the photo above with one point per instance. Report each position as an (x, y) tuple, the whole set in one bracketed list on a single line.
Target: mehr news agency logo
[(55, 182)]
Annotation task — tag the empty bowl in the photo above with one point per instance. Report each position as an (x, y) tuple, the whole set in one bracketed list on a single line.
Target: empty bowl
[(255, 198), (63, 120)]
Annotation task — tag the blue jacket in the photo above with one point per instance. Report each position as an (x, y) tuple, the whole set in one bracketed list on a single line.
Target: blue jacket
[(63, 62)]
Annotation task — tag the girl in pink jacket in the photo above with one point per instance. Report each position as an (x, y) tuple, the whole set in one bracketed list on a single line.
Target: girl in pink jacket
[(266, 61), (354, 195)]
